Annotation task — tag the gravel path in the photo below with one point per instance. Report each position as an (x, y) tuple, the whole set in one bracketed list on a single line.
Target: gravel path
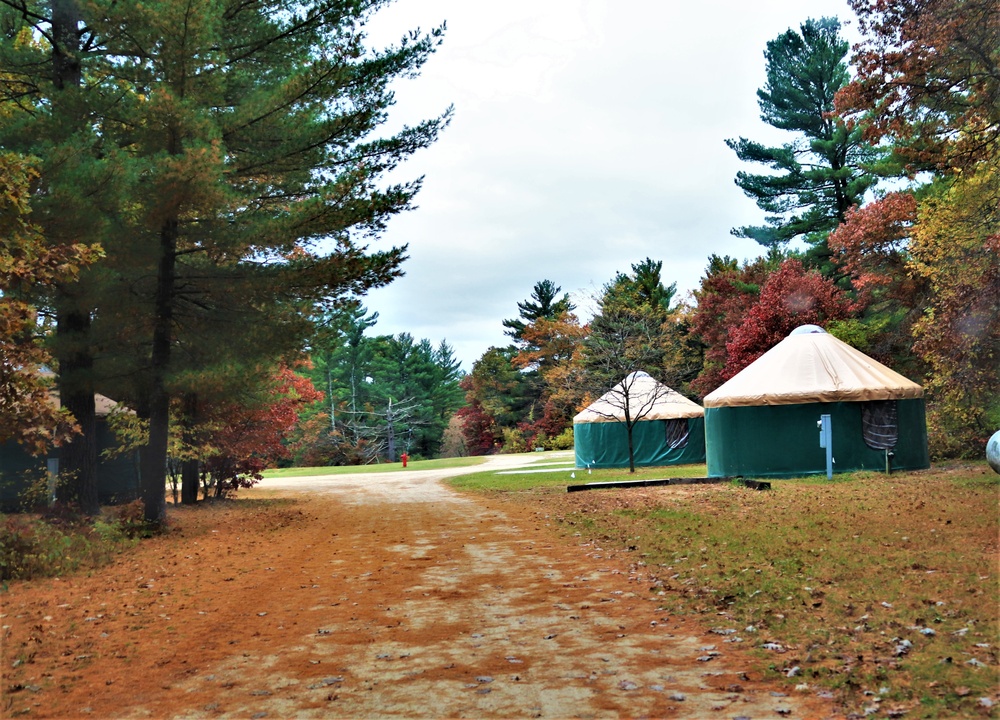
[(381, 595)]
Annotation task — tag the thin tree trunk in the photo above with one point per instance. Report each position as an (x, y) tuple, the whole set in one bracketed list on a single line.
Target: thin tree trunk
[(190, 466), (631, 447), (329, 392)]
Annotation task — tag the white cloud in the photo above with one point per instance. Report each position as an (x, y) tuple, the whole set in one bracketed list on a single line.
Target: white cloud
[(587, 136)]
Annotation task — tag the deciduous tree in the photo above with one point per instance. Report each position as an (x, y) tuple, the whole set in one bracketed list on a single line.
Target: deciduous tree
[(956, 249), (929, 82), (929, 78), (872, 247), (249, 436), (727, 291), (790, 297), (27, 414), (551, 348), (479, 429), (622, 342)]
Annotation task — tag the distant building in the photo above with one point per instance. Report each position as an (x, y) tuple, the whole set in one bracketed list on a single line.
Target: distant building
[(117, 478)]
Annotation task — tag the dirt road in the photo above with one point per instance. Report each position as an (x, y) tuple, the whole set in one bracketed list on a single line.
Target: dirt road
[(383, 595)]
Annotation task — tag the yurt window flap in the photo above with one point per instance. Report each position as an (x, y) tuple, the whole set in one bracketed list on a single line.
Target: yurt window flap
[(678, 431), (879, 426)]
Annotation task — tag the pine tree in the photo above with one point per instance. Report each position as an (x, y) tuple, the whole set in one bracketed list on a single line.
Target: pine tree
[(820, 175), (249, 156), (543, 303), (643, 288)]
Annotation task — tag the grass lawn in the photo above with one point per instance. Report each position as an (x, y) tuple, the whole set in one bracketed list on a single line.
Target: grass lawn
[(879, 589), (559, 473), (380, 467)]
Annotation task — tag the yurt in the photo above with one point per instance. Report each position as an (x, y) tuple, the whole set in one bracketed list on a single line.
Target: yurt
[(670, 431), (763, 421)]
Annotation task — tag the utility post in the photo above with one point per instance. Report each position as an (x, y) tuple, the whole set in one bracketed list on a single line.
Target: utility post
[(826, 441)]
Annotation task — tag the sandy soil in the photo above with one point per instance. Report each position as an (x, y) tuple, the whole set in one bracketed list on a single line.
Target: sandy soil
[(382, 595)]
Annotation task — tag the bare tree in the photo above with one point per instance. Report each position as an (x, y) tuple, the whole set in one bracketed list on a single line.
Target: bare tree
[(622, 352)]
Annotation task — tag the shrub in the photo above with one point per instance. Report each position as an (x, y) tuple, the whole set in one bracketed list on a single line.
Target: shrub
[(60, 541), (30, 547), (563, 441), (513, 441), (128, 521), (540, 440)]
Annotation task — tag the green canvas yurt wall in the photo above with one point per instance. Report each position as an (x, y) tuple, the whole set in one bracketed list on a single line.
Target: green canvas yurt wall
[(671, 431), (763, 421), (605, 444)]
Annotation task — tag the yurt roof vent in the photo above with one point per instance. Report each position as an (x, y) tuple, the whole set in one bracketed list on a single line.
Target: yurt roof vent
[(806, 330)]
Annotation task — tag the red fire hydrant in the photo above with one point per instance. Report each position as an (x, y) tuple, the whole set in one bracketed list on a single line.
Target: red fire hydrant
[(404, 457)]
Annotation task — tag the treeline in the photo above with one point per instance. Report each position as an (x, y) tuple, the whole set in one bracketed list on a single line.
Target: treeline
[(909, 276), (382, 395), (189, 192), (183, 184)]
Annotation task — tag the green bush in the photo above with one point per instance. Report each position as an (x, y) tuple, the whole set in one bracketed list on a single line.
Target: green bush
[(60, 542), (540, 440), (513, 441), (123, 523), (563, 441), (31, 547)]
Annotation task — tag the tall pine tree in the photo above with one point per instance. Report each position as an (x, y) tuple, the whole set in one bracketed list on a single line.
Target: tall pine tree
[(543, 303), (821, 174), (247, 135)]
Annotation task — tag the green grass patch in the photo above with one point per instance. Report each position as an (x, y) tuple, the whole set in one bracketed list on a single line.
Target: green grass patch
[(380, 467), (880, 589), (531, 478)]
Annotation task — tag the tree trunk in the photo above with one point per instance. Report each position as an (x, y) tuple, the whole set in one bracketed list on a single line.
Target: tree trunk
[(329, 392), (66, 68), (78, 457), (154, 455), (190, 480), (190, 466), (631, 447)]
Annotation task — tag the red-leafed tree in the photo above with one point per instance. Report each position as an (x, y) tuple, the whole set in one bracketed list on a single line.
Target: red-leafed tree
[(478, 427), (872, 246), (554, 421), (790, 297), (727, 292), (928, 75), (250, 437)]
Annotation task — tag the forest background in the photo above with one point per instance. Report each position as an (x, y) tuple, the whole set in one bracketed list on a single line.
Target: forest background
[(167, 208)]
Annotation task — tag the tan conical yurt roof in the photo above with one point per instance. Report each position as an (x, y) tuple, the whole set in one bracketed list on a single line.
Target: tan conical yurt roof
[(812, 366), (667, 403)]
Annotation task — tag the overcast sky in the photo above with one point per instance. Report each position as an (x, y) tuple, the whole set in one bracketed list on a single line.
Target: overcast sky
[(587, 136)]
